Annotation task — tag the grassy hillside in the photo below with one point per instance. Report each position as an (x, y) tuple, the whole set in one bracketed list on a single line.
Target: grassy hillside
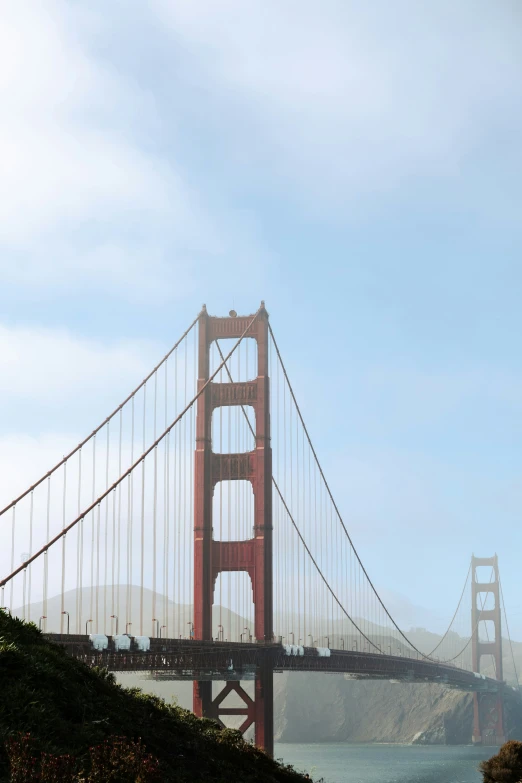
[(68, 708)]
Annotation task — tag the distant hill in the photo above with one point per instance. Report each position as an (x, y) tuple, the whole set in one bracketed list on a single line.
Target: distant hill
[(98, 607)]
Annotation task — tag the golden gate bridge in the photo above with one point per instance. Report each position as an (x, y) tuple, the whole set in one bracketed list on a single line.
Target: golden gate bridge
[(194, 534)]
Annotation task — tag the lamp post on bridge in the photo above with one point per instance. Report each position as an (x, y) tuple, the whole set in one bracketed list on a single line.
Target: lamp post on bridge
[(247, 630), (115, 617), (342, 643), (191, 632), (43, 617), (221, 633), (68, 619), (311, 639), (355, 646), (86, 624), (293, 638), (155, 620), (163, 626), (127, 628)]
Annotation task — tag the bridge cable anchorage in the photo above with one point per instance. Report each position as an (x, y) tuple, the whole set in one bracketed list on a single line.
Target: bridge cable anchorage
[(327, 487), (129, 472), (104, 422), (509, 635)]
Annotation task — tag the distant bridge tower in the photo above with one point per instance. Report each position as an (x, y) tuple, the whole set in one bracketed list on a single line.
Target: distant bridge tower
[(488, 708), (253, 555)]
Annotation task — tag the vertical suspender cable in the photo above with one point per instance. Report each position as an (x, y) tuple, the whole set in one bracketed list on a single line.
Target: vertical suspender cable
[(179, 524), (155, 507), (287, 551), (24, 593), (186, 452), (46, 553), (113, 556), (63, 545), (155, 537), (298, 543), (229, 519), (192, 476), (105, 554), (13, 522), (91, 618), (308, 576), (175, 516), (509, 635), (166, 510), (305, 519), (142, 552), (291, 550), (118, 551), (98, 523), (30, 568), (80, 552), (130, 530), (239, 429), (221, 493)]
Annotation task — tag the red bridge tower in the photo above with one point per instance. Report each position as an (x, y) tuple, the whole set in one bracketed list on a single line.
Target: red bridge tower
[(488, 708), (253, 555)]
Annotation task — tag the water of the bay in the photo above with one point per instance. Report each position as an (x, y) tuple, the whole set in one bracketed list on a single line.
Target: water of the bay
[(343, 763)]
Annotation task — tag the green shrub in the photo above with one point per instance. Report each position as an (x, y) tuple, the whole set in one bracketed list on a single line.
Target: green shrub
[(506, 766), (69, 709)]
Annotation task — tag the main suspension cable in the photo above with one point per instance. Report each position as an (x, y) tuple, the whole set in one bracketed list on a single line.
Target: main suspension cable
[(327, 486), (130, 470), (274, 482), (509, 635), (455, 614), (473, 631), (100, 426)]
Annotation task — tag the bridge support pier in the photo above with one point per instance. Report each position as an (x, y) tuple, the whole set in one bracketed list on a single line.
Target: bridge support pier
[(264, 709), (488, 708), (254, 555), (258, 711)]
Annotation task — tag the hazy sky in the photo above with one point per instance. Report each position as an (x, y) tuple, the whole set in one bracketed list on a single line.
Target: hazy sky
[(358, 165)]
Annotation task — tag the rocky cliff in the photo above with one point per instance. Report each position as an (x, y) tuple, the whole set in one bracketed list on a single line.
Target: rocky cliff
[(330, 708)]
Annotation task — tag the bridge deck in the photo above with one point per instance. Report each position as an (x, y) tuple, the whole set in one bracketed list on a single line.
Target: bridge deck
[(184, 659)]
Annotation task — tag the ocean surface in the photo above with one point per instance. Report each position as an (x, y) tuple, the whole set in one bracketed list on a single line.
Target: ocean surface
[(340, 763)]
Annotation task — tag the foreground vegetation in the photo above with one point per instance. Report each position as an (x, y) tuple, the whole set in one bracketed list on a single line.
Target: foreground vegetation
[(61, 721), (505, 766)]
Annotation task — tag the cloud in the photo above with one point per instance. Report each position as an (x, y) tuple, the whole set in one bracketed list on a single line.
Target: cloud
[(25, 458), (105, 187), (47, 365), (356, 97), (89, 196), (57, 161)]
